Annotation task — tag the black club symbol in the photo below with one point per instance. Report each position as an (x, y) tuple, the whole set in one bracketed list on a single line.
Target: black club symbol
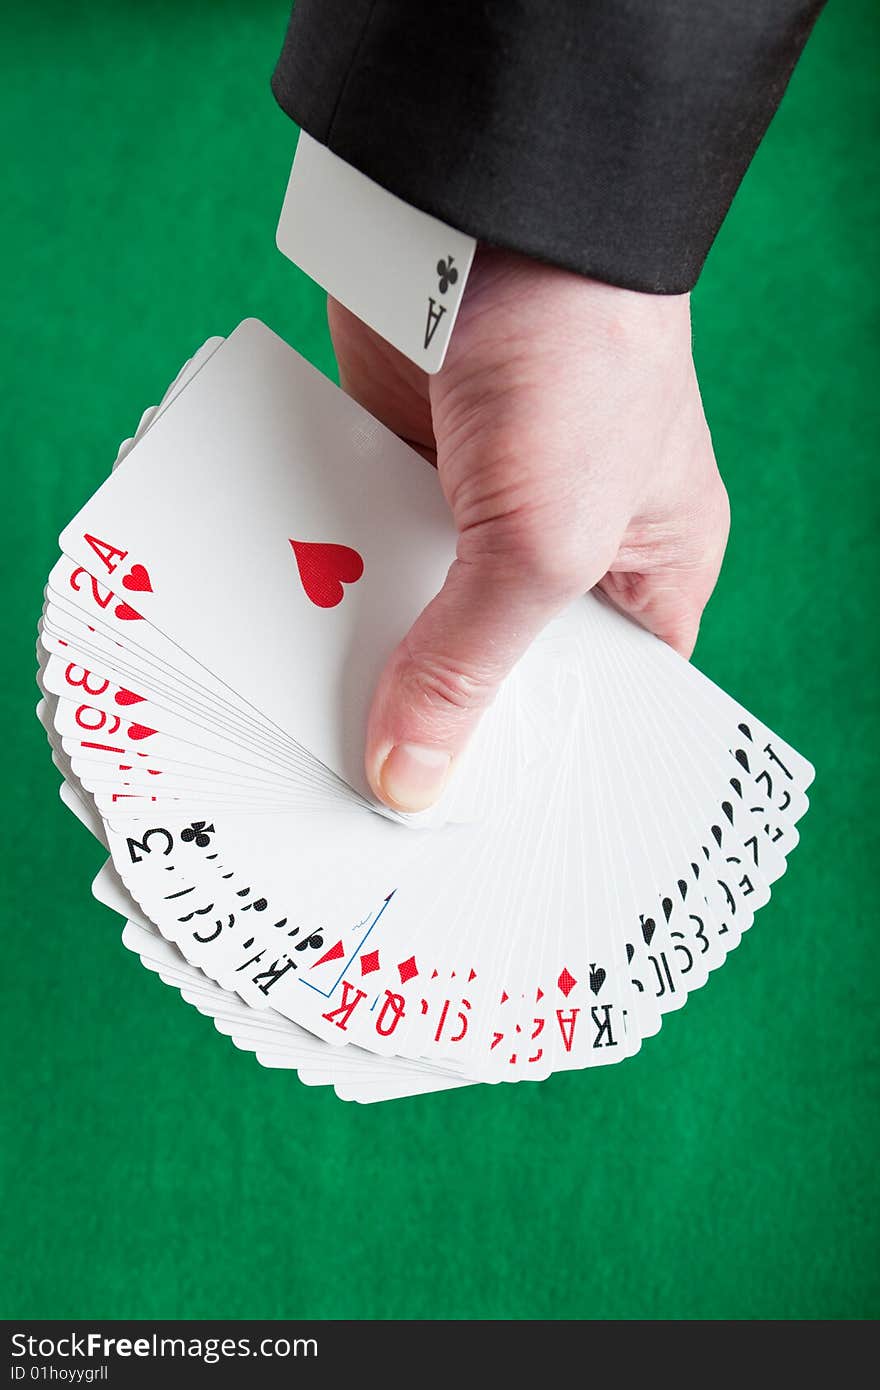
[(447, 272), (200, 832)]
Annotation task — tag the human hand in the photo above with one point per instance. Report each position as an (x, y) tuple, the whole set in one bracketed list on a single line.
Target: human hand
[(570, 441)]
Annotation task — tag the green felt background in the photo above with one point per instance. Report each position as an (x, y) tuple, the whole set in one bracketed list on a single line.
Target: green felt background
[(151, 1170)]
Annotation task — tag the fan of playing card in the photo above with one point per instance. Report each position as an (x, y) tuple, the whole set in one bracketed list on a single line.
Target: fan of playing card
[(210, 640)]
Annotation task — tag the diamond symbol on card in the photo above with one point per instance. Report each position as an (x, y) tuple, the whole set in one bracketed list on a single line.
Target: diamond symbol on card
[(566, 982), (406, 969), (335, 953), (369, 962)]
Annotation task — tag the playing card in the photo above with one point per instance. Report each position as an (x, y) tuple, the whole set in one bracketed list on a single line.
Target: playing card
[(347, 538), (206, 656), (400, 270)]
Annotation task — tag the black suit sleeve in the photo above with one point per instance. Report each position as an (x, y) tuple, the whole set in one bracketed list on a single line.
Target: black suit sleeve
[(606, 136)]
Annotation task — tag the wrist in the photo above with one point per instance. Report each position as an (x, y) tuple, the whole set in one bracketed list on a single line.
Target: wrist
[(631, 322)]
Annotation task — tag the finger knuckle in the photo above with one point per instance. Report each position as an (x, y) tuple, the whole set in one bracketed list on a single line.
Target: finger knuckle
[(434, 682), (704, 527), (549, 556)]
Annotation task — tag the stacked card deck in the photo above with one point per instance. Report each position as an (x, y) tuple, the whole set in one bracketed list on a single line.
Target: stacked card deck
[(211, 636)]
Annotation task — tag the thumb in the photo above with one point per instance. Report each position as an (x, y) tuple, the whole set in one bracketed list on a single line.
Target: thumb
[(499, 593)]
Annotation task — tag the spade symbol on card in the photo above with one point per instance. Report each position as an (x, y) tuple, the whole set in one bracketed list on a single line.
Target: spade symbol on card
[(649, 926), (324, 568), (597, 977)]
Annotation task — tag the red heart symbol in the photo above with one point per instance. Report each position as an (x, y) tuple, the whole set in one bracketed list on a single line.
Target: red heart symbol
[(324, 568), (137, 579), (139, 731), (127, 697), (127, 614)]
